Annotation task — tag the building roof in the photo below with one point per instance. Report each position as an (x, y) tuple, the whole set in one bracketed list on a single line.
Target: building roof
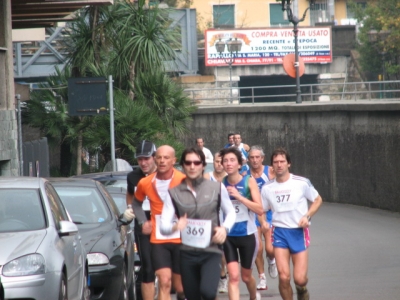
[(45, 13)]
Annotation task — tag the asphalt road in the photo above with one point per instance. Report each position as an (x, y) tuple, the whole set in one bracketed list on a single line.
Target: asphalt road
[(354, 255)]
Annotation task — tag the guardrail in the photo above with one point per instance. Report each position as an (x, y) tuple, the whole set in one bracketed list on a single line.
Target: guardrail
[(370, 90)]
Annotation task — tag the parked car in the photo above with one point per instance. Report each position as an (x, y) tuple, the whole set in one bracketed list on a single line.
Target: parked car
[(41, 254), (105, 234)]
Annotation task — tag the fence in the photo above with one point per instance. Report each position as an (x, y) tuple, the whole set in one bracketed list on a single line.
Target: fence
[(370, 90)]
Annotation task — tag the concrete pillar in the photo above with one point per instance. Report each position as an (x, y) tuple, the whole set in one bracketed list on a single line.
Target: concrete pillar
[(6, 57)]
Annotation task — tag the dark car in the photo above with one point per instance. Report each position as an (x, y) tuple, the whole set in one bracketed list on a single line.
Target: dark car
[(109, 179), (106, 236)]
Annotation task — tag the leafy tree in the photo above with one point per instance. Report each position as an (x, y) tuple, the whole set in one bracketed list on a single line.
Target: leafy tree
[(382, 16)]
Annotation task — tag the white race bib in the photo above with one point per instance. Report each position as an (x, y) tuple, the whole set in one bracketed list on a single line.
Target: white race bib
[(197, 233), (160, 236), (283, 203), (242, 212)]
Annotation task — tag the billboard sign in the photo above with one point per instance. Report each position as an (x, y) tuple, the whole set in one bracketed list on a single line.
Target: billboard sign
[(264, 46)]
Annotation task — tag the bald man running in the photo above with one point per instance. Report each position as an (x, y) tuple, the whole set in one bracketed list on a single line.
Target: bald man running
[(164, 248)]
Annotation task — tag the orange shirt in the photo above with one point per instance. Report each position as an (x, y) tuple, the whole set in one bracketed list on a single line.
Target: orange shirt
[(147, 187)]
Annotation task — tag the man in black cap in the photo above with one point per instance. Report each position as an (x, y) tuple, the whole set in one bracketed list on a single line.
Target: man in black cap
[(144, 154)]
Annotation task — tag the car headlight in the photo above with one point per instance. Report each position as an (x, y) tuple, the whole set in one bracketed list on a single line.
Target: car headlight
[(32, 264), (95, 259)]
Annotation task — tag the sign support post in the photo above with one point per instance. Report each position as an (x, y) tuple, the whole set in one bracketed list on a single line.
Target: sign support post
[(112, 138)]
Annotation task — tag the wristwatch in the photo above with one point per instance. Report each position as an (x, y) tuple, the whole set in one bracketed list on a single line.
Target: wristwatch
[(308, 218), (129, 206)]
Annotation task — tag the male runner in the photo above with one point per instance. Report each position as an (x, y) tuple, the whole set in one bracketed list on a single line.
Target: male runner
[(217, 175), (287, 196), (206, 151), (230, 140), (243, 149), (262, 174), (144, 154), (164, 249)]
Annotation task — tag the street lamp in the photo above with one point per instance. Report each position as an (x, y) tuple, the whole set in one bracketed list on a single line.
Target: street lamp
[(295, 21), (377, 39), (233, 47)]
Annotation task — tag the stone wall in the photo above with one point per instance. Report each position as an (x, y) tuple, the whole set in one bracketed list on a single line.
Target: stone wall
[(9, 161), (349, 150)]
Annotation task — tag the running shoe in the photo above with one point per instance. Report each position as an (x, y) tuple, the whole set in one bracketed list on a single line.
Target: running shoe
[(302, 293), (223, 285), (262, 285), (272, 270)]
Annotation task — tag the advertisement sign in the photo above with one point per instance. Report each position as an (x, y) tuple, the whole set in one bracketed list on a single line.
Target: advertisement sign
[(264, 46)]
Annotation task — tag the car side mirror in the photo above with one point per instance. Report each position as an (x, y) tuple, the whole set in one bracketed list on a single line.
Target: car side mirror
[(67, 228)]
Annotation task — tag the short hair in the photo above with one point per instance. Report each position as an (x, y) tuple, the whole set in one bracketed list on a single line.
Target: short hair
[(233, 150), (199, 139), (195, 150), (280, 151), (257, 147), (230, 134)]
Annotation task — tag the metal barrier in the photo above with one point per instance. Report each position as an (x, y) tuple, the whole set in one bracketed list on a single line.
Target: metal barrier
[(367, 90)]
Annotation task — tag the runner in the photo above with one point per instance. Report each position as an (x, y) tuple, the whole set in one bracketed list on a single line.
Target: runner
[(164, 249), (217, 175), (245, 196), (230, 140), (262, 174), (206, 151), (287, 196), (144, 154), (197, 202)]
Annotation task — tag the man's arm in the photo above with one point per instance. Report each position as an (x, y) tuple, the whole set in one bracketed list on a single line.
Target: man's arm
[(305, 220), (138, 210)]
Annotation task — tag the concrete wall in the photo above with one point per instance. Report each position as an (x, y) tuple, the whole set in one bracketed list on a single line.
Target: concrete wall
[(9, 161), (350, 151)]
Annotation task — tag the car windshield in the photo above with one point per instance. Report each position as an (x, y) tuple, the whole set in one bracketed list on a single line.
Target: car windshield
[(21, 210), (114, 183), (84, 204), (120, 200)]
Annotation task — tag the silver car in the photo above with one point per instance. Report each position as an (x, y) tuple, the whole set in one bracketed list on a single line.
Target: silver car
[(41, 255)]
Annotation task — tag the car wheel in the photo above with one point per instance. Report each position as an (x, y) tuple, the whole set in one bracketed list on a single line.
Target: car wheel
[(63, 293), (123, 295)]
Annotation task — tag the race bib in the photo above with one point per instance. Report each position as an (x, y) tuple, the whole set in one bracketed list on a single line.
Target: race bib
[(197, 233), (283, 203), (242, 212), (160, 236)]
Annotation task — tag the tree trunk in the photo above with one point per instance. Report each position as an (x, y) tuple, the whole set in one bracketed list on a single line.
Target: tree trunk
[(131, 79), (79, 155)]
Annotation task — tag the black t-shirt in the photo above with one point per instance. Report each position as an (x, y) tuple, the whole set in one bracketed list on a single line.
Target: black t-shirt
[(133, 178)]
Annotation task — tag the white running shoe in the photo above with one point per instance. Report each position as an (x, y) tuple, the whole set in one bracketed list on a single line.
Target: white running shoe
[(262, 285), (272, 270), (258, 296), (223, 285)]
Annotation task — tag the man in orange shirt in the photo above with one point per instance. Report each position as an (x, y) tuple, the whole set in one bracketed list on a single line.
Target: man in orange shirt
[(164, 248)]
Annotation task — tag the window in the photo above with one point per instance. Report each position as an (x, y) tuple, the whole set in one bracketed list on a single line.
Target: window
[(276, 16), (224, 16), (350, 11), (319, 13)]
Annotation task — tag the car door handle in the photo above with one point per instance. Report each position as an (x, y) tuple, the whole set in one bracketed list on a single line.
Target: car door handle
[(74, 244)]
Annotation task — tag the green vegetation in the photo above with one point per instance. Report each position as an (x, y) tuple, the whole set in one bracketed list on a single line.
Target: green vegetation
[(131, 43)]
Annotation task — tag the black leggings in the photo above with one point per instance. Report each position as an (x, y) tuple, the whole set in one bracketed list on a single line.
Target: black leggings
[(200, 274)]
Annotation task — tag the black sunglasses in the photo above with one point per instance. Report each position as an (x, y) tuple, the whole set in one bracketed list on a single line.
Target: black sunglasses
[(190, 162)]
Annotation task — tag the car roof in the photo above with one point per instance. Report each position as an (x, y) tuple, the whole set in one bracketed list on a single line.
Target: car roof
[(104, 175), (78, 182), (21, 182)]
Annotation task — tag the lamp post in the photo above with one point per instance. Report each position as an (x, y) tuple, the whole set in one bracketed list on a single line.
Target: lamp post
[(295, 21), (377, 39), (233, 47)]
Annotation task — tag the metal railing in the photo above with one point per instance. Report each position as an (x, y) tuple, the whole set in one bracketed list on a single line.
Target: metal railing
[(370, 90)]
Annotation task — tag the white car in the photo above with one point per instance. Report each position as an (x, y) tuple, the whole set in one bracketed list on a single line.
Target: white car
[(41, 254)]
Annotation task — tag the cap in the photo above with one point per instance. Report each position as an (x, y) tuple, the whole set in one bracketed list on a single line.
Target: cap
[(145, 149)]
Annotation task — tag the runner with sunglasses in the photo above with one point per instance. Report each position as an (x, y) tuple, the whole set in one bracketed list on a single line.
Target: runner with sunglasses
[(242, 238), (197, 203)]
